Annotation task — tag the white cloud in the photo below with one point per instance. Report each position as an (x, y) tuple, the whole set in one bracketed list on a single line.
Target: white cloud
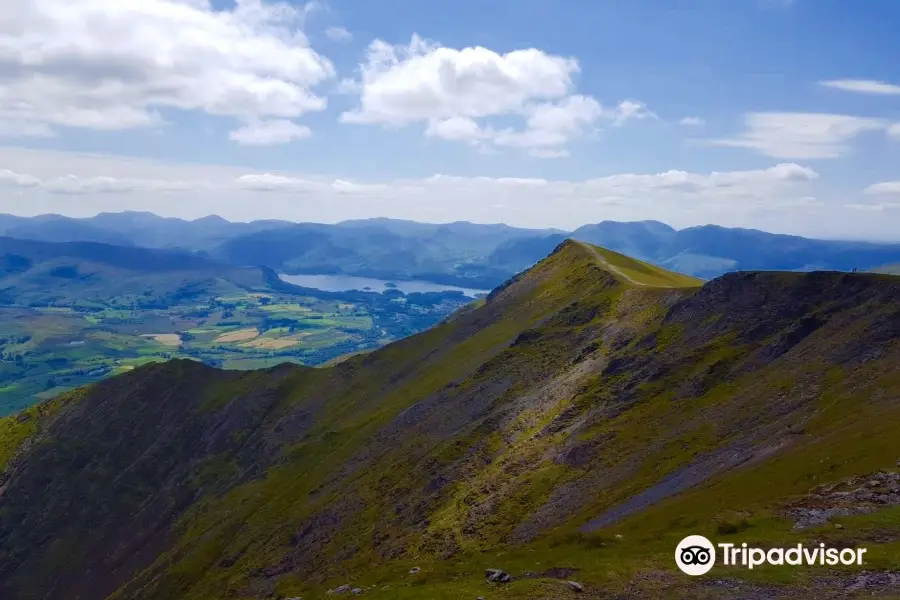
[(456, 129), (692, 122), (17, 179), (894, 130), (108, 64), (549, 126), (38, 181), (338, 34), (632, 110), (624, 185), (269, 133), (74, 184), (801, 135), (885, 187), (267, 182), (863, 86), (423, 81), (457, 94)]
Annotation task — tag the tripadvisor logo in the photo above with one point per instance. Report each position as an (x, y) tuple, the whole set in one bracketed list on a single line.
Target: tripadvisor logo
[(696, 555)]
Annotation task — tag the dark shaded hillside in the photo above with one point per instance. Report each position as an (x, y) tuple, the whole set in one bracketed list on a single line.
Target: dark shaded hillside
[(124, 257), (590, 414), (57, 228), (134, 465), (36, 273)]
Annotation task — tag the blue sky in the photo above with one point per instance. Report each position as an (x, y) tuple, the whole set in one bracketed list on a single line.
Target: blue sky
[(774, 114)]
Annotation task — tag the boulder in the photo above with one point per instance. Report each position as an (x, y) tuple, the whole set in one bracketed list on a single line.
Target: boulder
[(498, 576)]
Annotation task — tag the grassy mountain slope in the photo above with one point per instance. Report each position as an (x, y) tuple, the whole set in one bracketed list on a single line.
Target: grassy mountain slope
[(588, 415)]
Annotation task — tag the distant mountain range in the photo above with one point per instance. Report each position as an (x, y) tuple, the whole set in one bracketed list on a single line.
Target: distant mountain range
[(458, 253)]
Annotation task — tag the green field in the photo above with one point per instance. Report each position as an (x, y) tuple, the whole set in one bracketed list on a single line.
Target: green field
[(47, 350)]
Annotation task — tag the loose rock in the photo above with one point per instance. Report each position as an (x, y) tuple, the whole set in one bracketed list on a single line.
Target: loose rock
[(343, 589), (498, 576), (848, 497), (574, 585)]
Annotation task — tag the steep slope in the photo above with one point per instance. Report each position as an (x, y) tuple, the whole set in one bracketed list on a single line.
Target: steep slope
[(588, 415)]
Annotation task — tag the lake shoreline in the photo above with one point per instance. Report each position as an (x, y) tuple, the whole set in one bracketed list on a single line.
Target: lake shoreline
[(351, 283)]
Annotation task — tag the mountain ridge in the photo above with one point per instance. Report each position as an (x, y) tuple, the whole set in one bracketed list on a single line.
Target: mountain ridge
[(574, 420)]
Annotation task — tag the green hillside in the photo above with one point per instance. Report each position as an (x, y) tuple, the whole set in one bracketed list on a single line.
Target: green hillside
[(586, 417), (74, 313)]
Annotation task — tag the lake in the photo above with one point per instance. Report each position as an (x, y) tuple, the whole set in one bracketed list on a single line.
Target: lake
[(346, 283)]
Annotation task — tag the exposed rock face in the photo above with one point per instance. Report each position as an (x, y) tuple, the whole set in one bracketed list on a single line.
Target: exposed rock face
[(853, 496)]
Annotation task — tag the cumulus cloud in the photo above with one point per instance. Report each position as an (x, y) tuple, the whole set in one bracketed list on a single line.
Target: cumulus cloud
[(801, 135), (885, 187), (632, 110), (338, 34), (269, 133), (267, 182), (18, 179), (863, 86), (457, 129), (110, 65), (459, 93)]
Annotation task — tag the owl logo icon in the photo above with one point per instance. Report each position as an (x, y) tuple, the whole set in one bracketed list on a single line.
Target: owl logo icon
[(695, 555)]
